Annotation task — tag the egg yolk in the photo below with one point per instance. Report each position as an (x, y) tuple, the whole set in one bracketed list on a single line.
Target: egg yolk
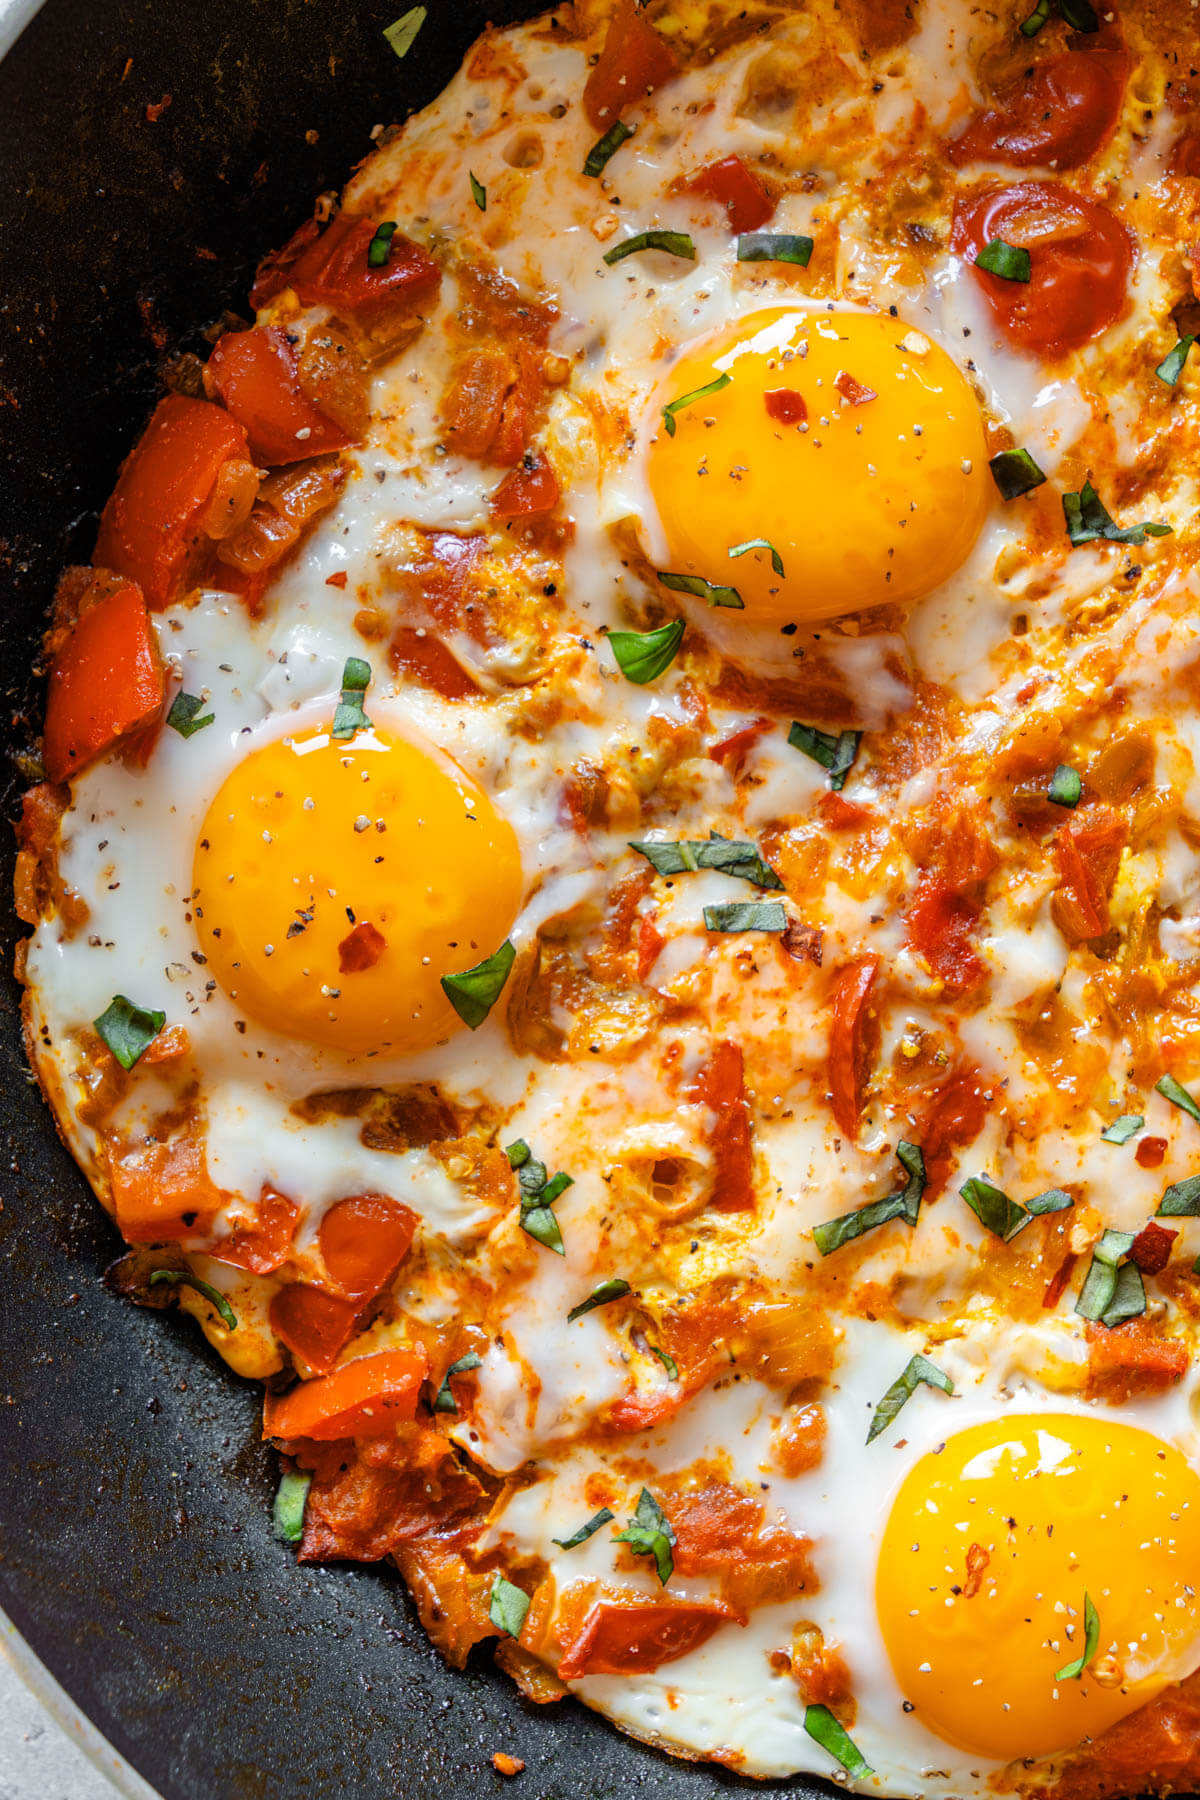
[(991, 1546), (850, 442), (337, 881)]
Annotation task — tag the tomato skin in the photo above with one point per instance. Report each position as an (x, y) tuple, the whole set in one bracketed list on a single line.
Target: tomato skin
[(107, 681), (848, 1041), (364, 1398), (256, 377), (1058, 114), (314, 1325), (1081, 260), (363, 1240), (721, 1085), (634, 60), (650, 944), (737, 189), (332, 270), (632, 1640), (153, 523), (938, 925)]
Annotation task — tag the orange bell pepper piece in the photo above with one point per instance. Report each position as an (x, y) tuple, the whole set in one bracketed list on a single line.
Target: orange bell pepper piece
[(107, 681), (314, 1325), (364, 1398), (364, 1240), (161, 1191)]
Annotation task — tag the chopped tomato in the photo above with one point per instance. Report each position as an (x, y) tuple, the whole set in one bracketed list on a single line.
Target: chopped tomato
[(848, 1041), (733, 750), (364, 1240), (153, 526), (1088, 851), (1081, 258), (426, 658), (1057, 113), (1129, 1359), (717, 1528), (1151, 1153), (633, 1640), (474, 403), (737, 189), (262, 1244), (42, 808), (314, 1325), (785, 406), (530, 489), (953, 1119), (841, 814), (107, 681), (273, 271), (364, 1398), (288, 502), (384, 1493), (256, 375), (161, 1190), (1151, 1248), (939, 924), (695, 1337), (634, 61), (650, 943), (332, 269), (721, 1086), (360, 949)]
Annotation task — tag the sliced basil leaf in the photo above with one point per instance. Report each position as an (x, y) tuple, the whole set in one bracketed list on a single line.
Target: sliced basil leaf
[(1091, 1643), (518, 1154), (185, 1278), (539, 1223), (1008, 261), (703, 590), (1088, 518), (187, 715), (1015, 473), (380, 246), (905, 1204), (920, 1371), (667, 1360), (1128, 1298), (586, 1531), (1003, 1217), (613, 1289), (746, 915), (1171, 366), (1038, 17), (401, 33), (287, 1514), (558, 1184), (443, 1400), (774, 246), (642, 656), (478, 191), (649, 1533), (1079, 15), (700, 393), (1177, 1094), (128, 1030), (824, 1729), (1122, 1129), (539, 1191), (685, 855), (474, 993), (1181, 1200), (350, 716), (616, 135), (507, 1606), (759, 544), (675, 243), (836, 754), (1112, 1291), (1066, 786), (1052, 1201)]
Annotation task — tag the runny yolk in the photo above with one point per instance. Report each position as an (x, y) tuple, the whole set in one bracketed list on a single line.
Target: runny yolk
[(849, 441), (993, 1543), (336, 882)]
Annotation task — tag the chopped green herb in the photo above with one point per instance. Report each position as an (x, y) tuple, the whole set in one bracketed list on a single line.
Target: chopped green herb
[(703, 590), (836, 754), (919, 1371), (1052, 1201), (649, 1533), (474, 993), (380, 246), (1072, 1671), (183, 716), (1122, 1129), (1066, 786), (1171, 366), (185, 1278), (774, 246), (507, 1606), (1015, 473), (478, 192), (400, 35), (1088, 518), (287, 1514), (1112, 1289), (685, 855), (1007, 261), (616, 135), (760, 544), (824, 1729), (539, 1190), (905, 1205), (586, 1531), (675, 243), (1079, 15), (1177, 1094), (700, 393), (350, 717), (1037, 18), (128, 1030), (1003, 1217), (444, 1400), (667, 1360), (613, 1289), (642, 656), (746, 915), (1181, 1200)]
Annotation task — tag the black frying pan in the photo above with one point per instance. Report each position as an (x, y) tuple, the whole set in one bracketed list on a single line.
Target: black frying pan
[(135, 1550)]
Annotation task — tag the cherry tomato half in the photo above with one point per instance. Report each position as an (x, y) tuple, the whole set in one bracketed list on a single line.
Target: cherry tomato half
[(1057, 113)]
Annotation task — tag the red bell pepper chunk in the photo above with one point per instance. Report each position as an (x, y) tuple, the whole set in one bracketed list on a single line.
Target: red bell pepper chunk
[(721, 1085), (530, 489), (107, 682), (364, 1240), (634, 60), (161, 1191), (630, 1640), (332, 270), (738, 190), (364, 1398), (1151, 1248), (314, 1325), (848, 1041), (152, 526), (256, 376)]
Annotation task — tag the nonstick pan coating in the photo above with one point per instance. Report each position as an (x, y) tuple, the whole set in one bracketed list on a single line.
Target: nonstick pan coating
[(135, 1550)]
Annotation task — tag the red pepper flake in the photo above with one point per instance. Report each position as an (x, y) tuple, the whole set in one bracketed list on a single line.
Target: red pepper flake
[(734, 749), (1058, 1283), (154, 113), (361, 949), (785, 406), (852, 390), (803, 943), (338, 581), (1150, 1153), (1151, 1248), (977, 1561)]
